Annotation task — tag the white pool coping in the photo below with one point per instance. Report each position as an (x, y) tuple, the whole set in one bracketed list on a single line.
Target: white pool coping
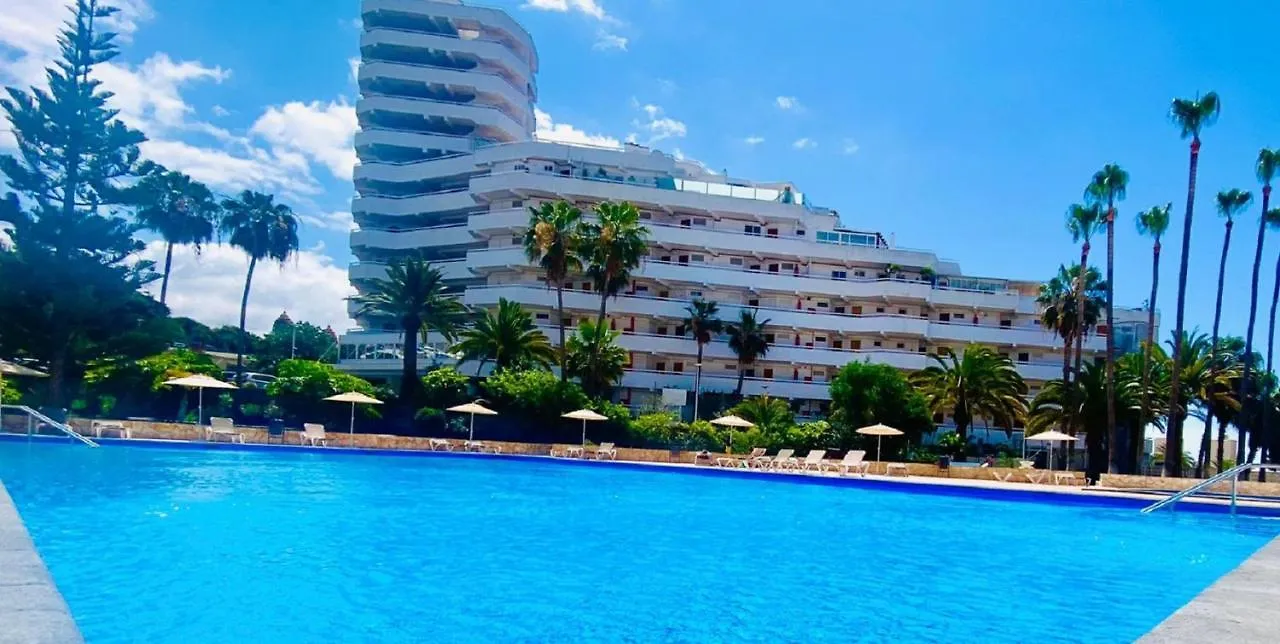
[(32, 610)]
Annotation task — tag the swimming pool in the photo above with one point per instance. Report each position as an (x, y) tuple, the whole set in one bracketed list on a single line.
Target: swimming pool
[(156, 544)]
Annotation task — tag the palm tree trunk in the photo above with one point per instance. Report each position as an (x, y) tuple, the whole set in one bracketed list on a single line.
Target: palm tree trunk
[(1139, 446), (409, 365), (1081, 280), (1253, 312), (1066, 380), (168, 263), (604, 300), (1113, 454), (742, 375), (1213, 364), (697, 379), (244, 307), (564, 354), (1173, 435), (1271, 340)]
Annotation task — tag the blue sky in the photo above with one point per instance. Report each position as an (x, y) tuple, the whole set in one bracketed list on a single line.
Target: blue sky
[(966, 128)]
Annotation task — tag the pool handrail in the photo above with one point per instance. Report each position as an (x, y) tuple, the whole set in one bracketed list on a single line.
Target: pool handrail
[(63, 427), (1172, 500)]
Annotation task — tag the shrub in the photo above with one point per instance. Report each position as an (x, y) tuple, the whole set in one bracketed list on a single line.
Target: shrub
[(534, 394), (300, 387), (445, 387), (952, 444), (665, 430), (136, 388)]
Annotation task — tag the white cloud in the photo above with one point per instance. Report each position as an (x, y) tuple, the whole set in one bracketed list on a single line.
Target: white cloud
[(753, 140), (787, 103), (549, 130), (231, 170), (354, 65), (220, 111), (587, 7), (29, 28), (804, 144), (207, 287), (606, 41), (850, 147), (656, 125), (341, 221), (148, 96), (322, 132)]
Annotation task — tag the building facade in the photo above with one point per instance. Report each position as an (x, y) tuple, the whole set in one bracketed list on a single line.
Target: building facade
[(449, 169)]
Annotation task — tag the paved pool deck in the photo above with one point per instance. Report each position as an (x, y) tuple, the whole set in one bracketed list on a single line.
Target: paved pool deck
[(31, 608), (1242, 606)]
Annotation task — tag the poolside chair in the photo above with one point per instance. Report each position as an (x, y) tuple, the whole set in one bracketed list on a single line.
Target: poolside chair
[(440, 445), (784, 458), (219, 426), (606, 450), (852, 461), (812, 461), (313, 433), (752, 459), (100, 426), (1028, 469), (1003, 478)]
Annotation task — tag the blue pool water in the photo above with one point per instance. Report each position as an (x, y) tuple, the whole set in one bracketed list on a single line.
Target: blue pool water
[(182, 545)]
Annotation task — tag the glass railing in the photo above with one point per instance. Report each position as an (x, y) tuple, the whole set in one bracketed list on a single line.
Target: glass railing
[(738, 192)]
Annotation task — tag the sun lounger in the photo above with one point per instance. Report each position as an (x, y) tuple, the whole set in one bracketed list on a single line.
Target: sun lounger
[(219, 426), (313, 433), (479, 446), (899, 468), (812, 460), (783, 459), (606, 450), (852, 461), (100, 426), (750, 460), (440, 445)]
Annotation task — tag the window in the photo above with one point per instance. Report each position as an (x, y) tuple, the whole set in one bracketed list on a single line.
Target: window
[(922, 349), (693, 294), (879, 309), (799, 232), (642, 289), (839, 309), (773, 268), (749, 373), (768, 373), (1006, 323), (735, 261), (660, 366), (518, 203), (662, 330), (902, 311), (646, 215), (699, 221), (902, 345), (876, 343), (944, 317), (542, 316), (664, 294), (751, 229), (697, 259), (586, 286), (753, 302), (837, 344), (754, 267), (1023, 356), (787, 266), (839, 275), (682, 259), (548, 168), (516, 240), (859, 273), (678, 367), (822, 305), (684, 223), (855, 310), (771, 232), (769, 338), (520, 167), (856, 345)]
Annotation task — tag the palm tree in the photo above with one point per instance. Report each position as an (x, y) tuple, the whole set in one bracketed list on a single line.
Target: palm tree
[(551, 240), (703, 321), (1082, 223), (765, 413), (508, 338), (979, 384), (1230, 202), (1107, 187), (263, 229), (612, 247), (1207, 376), (1191, 116), (1266, 168), (178, 208), (1152, 223), (415, 295), (747, 341), (1057, 300), (1084, 404), (595, 358)]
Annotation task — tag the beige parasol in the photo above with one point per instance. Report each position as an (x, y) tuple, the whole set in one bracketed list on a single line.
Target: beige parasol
[(473, 408), (355, 398), (11, 369), (200, 382), (879, 431), (1053, 436), (584, 415), (732, 421)]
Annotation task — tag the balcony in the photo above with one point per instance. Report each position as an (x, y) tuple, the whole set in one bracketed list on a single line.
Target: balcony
[(474, 81), (433, 236), (480, 49), (520, 42), (445, 201), (453, 270), (490, 120), (446, 166), (654, 380), (443, 144)]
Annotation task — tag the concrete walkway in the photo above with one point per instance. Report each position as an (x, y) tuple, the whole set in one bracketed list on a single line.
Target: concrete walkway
[(1241, 607), (31, 608)]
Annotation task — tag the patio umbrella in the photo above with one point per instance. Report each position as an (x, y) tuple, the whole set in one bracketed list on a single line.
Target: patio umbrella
[(473, 408), (879, 431), (584, 415), (200, 382), (1054, 436), (11, 369), (732, 421), (355, 398)]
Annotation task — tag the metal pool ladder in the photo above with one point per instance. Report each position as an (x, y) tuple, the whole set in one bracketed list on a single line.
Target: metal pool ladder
[(1171, 501), (33, 415)]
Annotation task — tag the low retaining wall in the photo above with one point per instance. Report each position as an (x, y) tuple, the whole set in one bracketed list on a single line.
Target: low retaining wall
[(188, 432)]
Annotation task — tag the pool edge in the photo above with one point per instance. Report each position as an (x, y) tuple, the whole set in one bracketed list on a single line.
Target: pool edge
[(1238, 607), (31, 608)]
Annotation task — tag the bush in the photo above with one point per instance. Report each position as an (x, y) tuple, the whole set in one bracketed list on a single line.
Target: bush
[(300, 387), (445, 387), (533, 394), (136, 388), (8, 393), (865, 394), (952, 444), (665, 430)]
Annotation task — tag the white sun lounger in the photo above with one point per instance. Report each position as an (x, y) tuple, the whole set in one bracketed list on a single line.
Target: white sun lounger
[(478, 446), (313, 433), (812, 460), (440, 445), (219, 426), (852, 461), (100, 426), (784, 458), (606, 450)]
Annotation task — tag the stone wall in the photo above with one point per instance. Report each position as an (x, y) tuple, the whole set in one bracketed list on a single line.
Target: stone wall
[(187, 432)]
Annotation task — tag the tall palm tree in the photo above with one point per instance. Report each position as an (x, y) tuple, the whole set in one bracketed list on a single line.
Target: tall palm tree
[(415, 295), (1057, 301), (551, 240), (595, 358), (1265, 169), (508, 337), (1152, 223), (263, 229), (1191, 116), (1082, 222), (979, 384), (1230, 203), (1083, 403), (612, 247), (1108, 186), (1203, 384), (747, 341), (178, 208), (703, 320)]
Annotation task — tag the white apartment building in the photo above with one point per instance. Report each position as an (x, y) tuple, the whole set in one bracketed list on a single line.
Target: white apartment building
[(449, 169)]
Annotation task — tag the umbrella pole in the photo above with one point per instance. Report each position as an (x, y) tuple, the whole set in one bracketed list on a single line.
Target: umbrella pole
[(472, 435), (353, 420), (886, 465), (584, 432), (200, 406)]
